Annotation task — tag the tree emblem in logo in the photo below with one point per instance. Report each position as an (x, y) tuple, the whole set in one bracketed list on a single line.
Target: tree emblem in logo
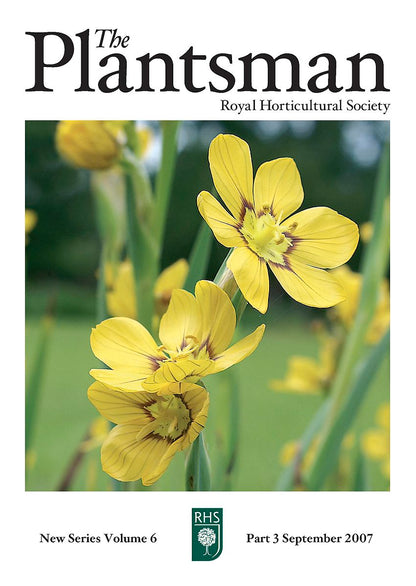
[(206, 534), (206, 537)]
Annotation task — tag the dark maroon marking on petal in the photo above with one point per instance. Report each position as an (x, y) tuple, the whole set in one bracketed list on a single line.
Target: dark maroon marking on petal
[(165, 438), (155, 362), (286, 264), (246, 206), (207, 344), (294, 241)]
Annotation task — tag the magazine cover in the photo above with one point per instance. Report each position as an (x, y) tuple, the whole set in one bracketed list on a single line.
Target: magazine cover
[(205, 284)]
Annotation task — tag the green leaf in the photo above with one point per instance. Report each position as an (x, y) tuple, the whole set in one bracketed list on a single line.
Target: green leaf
[(360, 480), (199, 257), (329, 451)]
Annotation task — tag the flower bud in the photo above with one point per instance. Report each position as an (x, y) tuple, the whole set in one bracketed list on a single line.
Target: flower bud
[(91, 144)]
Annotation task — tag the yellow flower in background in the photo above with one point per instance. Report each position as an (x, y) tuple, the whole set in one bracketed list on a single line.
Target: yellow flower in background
[(90, 144), (307, 375), (346, 311), (145, 136), (173, 277), (291, 451), (297, 249), (150, 429), (195, 333), (375, 442), (121, 299), (366, 231), (31, 219), (97, 433)]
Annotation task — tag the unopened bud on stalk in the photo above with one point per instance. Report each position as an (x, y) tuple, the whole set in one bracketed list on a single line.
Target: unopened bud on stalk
[(90, 144)]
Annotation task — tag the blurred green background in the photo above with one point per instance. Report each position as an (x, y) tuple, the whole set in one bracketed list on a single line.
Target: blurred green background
[(337, 161)]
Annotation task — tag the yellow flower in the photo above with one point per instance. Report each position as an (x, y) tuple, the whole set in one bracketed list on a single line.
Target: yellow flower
[(150, 429), (376, 442), (121, 299), (366, 231), (91, 144), (173, 277), (31, 218), (291, 451), (306, 375), (145, 136), (346, 311), (258, 227), (195, 333), (288, 452), (98, 431)]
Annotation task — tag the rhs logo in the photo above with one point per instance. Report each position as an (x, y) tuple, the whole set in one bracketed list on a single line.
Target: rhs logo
[(206, 534)]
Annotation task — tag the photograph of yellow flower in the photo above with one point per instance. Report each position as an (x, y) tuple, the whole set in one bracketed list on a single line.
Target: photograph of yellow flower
[(207, 305)]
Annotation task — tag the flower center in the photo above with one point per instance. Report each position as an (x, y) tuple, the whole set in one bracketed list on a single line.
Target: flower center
[(171, 415), (264, 236), (191, 347)]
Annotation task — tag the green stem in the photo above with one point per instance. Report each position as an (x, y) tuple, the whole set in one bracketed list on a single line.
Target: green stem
[(164, 180), (234, 427), (101, 309), (288, 478), (33, 387), (141, 251), (198, 468)]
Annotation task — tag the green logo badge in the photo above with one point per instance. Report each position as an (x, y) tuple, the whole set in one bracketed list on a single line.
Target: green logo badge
[(206, 534)]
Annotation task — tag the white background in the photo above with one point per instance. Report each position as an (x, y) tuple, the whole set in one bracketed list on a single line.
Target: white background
[(211, 27)]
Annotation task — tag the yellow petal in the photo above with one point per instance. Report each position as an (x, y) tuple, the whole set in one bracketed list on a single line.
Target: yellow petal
[(383, 416), (250, 272), (232, 172), (218, 316), (197, 401), (123, 343), (173, 277), (238, 351), (175, 372), (182, 319), (321, 237), (277, 187), (375, 444), (31, 218), (303, 377), (351, 284), (223, 225), (121, 300), (123, 380), (120, 407), (127, 458), (308, 285)]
